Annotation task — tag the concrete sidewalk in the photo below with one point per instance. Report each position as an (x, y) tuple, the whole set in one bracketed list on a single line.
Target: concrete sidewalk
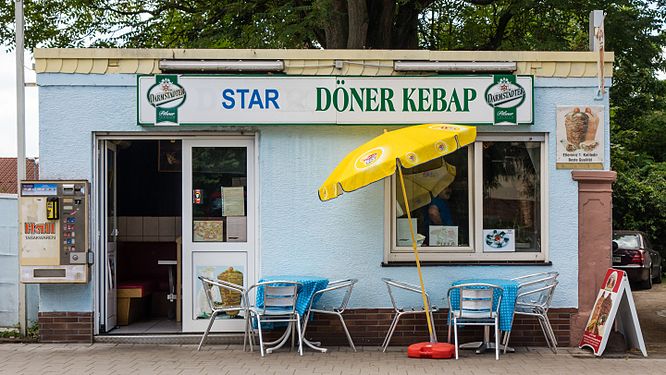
[(230, 359)]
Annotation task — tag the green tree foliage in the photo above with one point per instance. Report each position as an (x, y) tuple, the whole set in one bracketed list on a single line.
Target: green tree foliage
[(634, 31)]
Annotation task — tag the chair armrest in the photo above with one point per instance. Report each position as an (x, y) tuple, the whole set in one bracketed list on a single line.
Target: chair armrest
[(343, 281), (546, 280), (223, 284), (538, 290), (336, 285), (536, 278), (538, 274), (403, 285)]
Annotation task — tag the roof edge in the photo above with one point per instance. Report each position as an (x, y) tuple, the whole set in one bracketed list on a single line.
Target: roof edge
[(313, 54)]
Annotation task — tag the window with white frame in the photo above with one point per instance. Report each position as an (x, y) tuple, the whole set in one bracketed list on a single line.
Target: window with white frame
[(484, 202)]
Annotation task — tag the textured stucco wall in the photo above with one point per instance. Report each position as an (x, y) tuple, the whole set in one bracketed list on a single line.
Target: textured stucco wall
[(299, 234)]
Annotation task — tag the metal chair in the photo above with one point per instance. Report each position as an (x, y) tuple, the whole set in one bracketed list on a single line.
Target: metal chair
[(217, 307), (279, 306), (478, 304), (338, 285), (534, 298), (400, 311), (536, 277)]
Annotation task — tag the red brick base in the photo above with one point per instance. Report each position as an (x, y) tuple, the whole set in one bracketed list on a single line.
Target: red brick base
[(369, 327), (65, 327), (366, 326)]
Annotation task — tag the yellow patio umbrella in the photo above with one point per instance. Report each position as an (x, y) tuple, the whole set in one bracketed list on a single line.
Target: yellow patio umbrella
[(421, 187), (380, 157)]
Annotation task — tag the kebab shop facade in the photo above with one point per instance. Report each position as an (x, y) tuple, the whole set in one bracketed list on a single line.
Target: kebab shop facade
[(208, 162)]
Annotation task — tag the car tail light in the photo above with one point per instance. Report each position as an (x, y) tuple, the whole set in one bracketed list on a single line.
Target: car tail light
[(636, 258)]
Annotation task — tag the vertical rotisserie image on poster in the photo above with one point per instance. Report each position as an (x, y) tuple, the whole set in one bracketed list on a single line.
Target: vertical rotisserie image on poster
[(598, 327), (580, 142)]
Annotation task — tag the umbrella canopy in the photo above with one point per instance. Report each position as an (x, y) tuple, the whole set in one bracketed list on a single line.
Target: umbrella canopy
[(398, 149), (376, 159), (421, 187)]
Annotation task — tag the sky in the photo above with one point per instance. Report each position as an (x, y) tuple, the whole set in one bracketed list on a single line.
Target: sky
[(8, 140)]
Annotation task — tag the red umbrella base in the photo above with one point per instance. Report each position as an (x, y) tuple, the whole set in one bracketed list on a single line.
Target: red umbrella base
[(434, 350)]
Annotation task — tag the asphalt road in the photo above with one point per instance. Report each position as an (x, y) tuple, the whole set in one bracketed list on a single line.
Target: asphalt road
[(651, 308)]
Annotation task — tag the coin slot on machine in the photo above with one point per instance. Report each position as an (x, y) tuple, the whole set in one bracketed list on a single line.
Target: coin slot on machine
[(54, 222)]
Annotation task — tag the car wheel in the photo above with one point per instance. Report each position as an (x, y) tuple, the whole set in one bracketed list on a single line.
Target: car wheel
[(657, 279), (647, 284)]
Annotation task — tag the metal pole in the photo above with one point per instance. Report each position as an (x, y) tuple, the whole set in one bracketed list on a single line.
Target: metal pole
[(20, 132), (426, 304)]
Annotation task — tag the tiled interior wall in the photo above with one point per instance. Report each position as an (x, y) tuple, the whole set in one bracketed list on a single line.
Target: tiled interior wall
[(149, 228)]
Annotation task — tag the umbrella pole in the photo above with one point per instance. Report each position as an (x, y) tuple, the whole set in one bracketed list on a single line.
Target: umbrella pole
[(416, 253)]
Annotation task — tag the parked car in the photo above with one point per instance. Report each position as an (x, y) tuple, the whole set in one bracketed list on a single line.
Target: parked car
[(633, 253)]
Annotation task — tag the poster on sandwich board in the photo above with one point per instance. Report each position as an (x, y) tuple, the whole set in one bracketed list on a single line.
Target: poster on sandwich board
[(613, 308)]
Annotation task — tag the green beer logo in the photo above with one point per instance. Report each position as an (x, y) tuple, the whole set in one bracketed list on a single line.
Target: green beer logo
[(166, 95), (505, 96)]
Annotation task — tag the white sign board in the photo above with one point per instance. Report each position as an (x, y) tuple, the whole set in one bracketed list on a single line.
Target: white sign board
[(169, 99), (614, 304)]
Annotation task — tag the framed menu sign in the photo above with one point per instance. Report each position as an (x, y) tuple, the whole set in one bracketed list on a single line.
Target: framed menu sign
[(614, 307)]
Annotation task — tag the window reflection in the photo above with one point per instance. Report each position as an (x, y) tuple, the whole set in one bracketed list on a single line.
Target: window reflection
[(438, 198), (511, 195), (219, 194)]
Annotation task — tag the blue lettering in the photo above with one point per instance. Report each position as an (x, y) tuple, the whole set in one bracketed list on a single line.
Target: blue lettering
[(242, 93), (228, 101), (256, 100), (250, 98), (272, 97)]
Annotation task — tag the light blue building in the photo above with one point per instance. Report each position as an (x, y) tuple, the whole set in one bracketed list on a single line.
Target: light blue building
[(213, 158)]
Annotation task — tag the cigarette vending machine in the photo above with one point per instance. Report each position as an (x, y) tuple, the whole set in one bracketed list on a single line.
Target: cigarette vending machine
[(54, 222)]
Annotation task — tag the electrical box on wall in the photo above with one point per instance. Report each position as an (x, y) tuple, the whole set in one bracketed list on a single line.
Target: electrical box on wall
[(54, 223)]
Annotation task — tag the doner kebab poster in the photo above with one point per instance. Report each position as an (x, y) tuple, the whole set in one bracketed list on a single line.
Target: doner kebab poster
[(614, 308)]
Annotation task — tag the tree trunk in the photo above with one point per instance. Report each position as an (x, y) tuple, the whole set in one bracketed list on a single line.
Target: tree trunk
[(380, 23), (405, 35), (337, 27), (357, 11)]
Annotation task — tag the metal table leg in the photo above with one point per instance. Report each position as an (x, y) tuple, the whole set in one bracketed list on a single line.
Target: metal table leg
[(281, 341)]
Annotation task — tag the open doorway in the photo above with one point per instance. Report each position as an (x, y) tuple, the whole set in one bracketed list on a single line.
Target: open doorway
[(143, 207), (169, 212)]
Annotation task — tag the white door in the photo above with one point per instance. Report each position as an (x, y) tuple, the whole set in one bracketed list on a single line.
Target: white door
[(109, 233), (218, 223)]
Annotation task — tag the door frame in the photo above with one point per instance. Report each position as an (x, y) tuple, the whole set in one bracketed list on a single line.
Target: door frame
[(98, 208), (104, 230)]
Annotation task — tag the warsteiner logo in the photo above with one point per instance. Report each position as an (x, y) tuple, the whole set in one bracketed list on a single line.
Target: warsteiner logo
[(166, 95), (505, 95)]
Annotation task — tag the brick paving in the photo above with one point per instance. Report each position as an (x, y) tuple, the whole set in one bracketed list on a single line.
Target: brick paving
[(230, 359)]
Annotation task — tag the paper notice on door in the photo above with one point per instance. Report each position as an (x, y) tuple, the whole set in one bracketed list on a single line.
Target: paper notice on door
[(233, 201)]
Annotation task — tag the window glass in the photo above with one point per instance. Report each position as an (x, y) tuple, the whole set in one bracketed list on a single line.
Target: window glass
[(438, 199), (627, 241), (511, 196), (219, 184)]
